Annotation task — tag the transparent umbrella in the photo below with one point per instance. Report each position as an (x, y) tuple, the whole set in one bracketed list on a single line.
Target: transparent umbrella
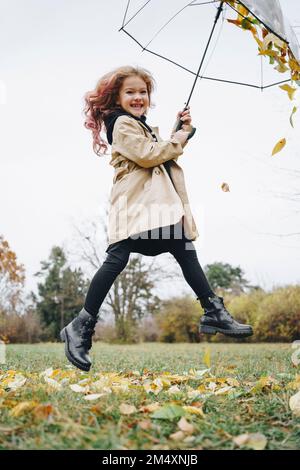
[(197, 37)]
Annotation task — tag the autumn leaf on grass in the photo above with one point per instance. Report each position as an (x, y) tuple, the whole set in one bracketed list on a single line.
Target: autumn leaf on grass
[(150, 408), (78, 389), (291, 116), (198, 374), (279, 146), (154, 386), (12, 382), (289, 89), (197, 410), (255, 441), (126, 409), (295, 404), (145, 424), (94, 396), (185, 426), (177, 436), (44, 411), (265, 384), (23, 407), (225, 187), (53, 383), (174, 389), (169, 412)]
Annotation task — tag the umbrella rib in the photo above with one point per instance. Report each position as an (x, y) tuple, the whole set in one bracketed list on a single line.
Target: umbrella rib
[(201, 76), (134, 14), (125, 13), (203, 3)]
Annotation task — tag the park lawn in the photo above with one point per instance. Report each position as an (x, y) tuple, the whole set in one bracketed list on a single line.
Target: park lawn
[(150, 396)]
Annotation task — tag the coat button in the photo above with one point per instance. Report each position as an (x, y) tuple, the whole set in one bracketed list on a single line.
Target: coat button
[(157, 172)]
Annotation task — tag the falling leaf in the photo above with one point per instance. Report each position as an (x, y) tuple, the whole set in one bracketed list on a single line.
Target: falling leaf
[(279, 146), (225, 187), (206, 357), (291, 116), (255, 441), (290, 90), (185, 426), (295, 404), (126, 409)]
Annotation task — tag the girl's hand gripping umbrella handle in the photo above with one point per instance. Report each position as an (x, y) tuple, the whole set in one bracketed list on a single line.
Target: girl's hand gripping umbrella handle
[(180, 123)]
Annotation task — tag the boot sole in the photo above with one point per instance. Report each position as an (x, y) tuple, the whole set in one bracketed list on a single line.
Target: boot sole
[(212, 330), (64, 337)]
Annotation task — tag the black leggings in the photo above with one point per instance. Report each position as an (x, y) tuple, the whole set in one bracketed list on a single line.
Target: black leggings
[(117, 259)]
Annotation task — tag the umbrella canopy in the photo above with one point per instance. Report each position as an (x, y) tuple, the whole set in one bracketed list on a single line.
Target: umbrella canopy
[(181, 32), (270, 14)]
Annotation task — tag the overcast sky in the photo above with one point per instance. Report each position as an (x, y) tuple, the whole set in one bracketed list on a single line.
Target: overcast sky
[(52, 52)]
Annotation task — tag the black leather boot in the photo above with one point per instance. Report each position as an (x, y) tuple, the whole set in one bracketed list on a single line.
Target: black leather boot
[(217, 319), (77, 336)]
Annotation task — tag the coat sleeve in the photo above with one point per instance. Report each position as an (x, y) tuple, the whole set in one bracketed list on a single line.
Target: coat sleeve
[(130, 141), (189, 129)]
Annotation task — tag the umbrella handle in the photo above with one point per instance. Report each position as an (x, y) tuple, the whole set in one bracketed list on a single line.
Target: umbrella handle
[(179, 126)]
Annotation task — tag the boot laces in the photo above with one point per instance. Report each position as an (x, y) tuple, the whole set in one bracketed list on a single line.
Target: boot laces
[(88, 330)]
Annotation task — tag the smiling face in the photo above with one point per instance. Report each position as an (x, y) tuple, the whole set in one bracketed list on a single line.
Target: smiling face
[(133, 96)]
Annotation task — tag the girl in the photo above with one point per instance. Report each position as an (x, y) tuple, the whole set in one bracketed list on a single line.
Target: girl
[(149, 207)]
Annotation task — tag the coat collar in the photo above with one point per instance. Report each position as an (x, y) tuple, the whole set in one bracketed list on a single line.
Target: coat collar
[(111, 118)]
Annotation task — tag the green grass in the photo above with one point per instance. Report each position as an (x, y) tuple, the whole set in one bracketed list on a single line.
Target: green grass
[(72, 422)]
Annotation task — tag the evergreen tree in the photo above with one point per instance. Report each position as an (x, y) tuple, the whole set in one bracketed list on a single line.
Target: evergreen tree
[(61, 294)]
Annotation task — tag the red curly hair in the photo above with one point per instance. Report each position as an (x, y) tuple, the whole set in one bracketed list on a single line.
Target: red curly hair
[(102, 101)]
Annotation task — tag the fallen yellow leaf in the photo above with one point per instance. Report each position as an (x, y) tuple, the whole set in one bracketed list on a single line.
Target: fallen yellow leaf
[(194, 410), (22, 408)]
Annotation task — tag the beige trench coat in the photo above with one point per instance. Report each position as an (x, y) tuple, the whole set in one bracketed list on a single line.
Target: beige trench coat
[(143, 197)]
